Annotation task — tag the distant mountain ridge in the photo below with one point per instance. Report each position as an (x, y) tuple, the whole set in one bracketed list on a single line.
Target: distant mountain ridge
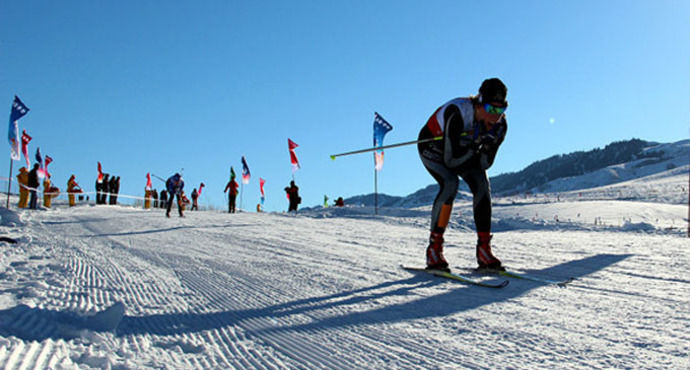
[(616, 162)]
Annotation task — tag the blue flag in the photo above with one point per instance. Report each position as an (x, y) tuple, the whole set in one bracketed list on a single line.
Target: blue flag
[(19, 110), (381, 128)]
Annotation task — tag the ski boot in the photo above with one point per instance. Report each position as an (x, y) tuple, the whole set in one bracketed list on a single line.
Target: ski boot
[(486, 259), (434, 253)]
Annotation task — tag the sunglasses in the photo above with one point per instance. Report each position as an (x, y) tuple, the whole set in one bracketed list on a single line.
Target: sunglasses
[(492, 109)]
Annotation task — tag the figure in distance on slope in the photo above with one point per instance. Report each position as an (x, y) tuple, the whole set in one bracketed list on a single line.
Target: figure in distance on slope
[(472, 129), (232, 187), (293, 196), (175, 186)]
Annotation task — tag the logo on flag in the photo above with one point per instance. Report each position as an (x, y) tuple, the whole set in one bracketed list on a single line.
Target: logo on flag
[(246, 175), (293, 157), (381, 128), (18, 111)]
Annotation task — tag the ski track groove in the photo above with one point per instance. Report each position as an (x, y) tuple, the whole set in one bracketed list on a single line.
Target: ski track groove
[(363, 339), (407, 353), (219, 301)]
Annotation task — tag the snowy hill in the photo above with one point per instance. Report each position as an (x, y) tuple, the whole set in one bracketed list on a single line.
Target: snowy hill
[(125, 288), (664, 165)]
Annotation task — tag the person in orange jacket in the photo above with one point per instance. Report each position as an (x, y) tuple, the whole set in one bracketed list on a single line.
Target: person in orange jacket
[(23, 179), (72, 189), (49, 192)]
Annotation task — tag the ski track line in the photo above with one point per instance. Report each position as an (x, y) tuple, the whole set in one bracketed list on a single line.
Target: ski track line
[(191, 282), (408, 353), (368, 341), (253, 359), (220, 301)]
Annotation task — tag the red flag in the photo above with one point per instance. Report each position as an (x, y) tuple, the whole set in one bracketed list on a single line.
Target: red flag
[(201, 187), (25, 147), (293, 157), (100, 173), (261, 186), (149, 185)]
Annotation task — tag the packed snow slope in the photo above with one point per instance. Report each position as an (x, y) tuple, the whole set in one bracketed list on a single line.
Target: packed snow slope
[(125, 288)]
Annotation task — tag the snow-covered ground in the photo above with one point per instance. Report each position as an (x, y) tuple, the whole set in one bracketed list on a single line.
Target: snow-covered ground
[(120, 287)]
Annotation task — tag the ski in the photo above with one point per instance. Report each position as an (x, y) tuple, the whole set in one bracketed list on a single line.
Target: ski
[(517, 275), (460, 278)]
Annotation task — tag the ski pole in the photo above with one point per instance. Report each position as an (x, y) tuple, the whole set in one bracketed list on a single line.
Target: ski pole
[(157, 177), (333, 156)]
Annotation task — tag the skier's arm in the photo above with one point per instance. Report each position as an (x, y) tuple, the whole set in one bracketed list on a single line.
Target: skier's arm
[(458, 146), (490, 145)]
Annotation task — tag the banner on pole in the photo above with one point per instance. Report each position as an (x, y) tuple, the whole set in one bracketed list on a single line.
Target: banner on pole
[(381, 128), (18, 111), (246, 175), (293, 157)]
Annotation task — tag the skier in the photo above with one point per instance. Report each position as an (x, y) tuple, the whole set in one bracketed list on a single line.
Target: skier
[(293, 196), (175, 185), (472, 129), (232, 195)]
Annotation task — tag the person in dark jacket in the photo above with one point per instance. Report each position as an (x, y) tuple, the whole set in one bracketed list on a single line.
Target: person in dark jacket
[(293, 196), (154, 195), (33, 187), (195, 197), (99, 189), (471, 129), (164, 199), (114, 189), (175, 186), (105, 189)]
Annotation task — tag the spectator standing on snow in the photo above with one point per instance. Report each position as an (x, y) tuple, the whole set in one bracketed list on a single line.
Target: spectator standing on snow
[(33, 184), (195, 197), (232, 187), (114, 189), (23, 179), (472, 130), (154, 195), (175, 187), (293, 196), (105, 189), (164, 199), (72, 189)]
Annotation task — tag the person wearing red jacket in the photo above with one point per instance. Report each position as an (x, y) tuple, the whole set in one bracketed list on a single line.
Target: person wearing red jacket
[(232, 195)]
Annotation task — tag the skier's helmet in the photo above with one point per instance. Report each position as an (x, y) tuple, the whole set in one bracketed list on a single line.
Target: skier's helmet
[(493, 91)]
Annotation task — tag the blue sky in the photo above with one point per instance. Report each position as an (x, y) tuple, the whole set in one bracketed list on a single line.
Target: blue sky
[(157, 86)]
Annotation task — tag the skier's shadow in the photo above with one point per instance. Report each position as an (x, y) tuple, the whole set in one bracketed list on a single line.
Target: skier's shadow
[(324, 311), (451, 301)]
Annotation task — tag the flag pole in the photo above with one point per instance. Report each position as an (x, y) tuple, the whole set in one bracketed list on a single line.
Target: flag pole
[(9, 184), (333, 156), (376, 191)]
